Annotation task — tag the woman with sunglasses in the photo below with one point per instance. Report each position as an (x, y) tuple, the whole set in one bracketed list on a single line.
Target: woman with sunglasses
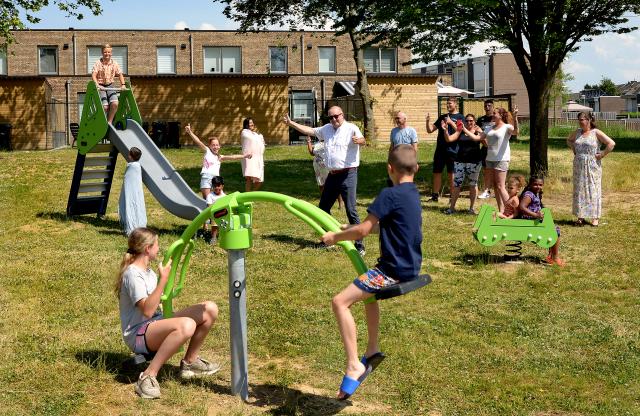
[(468, 161)]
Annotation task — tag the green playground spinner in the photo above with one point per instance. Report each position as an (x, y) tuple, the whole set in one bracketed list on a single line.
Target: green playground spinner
[(233, 216)]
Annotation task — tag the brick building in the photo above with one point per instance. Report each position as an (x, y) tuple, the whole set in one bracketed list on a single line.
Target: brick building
[(211, 79)]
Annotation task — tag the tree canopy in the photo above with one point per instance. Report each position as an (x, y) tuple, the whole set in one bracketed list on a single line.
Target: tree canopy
[(539, 33), (608, 87), (12, 12), (357, 19)]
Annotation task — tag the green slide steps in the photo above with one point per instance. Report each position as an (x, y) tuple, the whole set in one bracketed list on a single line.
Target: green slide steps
[(233, 215), (93, 123), (488, 229)]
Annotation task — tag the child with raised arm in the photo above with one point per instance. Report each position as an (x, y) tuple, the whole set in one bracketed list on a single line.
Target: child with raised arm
[(531, 208), (397, 213), (514, 185), (211, 160), (144, 329)]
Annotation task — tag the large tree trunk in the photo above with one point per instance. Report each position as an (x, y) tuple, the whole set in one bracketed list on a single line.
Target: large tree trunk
[(362, 88), (539, 124)]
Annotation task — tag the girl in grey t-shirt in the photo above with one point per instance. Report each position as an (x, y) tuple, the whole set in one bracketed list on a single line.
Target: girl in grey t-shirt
[(145, 330)]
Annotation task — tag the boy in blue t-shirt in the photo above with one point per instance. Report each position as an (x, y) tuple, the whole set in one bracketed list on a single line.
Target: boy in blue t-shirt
[(397, 213)]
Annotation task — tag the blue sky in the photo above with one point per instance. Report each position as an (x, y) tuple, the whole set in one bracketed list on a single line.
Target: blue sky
[(612, 56)]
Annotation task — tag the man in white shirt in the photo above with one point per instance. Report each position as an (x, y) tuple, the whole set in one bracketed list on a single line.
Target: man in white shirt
[(342, 146)]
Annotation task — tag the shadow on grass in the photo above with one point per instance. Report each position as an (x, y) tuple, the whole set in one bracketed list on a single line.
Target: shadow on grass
[(109, 226), (486, 259), (116, 363), (302, 243), (121, 366), (286, 401), (294, 402), (574, 223)]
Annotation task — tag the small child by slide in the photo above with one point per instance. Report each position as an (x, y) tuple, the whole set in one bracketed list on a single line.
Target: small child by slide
[(131, 207)]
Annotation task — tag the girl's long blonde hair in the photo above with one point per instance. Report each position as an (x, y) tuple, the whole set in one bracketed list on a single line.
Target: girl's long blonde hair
[(139, 239)]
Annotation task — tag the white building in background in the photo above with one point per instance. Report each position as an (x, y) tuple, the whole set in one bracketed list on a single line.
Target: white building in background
[(485, 76)]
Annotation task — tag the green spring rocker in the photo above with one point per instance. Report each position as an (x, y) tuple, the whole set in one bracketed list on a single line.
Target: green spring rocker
[(488, 229)]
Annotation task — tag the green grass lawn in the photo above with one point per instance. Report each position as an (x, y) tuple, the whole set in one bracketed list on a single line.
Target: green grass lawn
[(485, 338)]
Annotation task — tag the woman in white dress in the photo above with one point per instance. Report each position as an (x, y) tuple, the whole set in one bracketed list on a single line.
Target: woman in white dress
[(252, 143), (586, 143)]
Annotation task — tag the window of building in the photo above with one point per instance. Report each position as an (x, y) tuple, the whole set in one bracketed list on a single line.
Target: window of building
[(278, 59), (222, 60), (380, 60), (81, 96), (3, 62), (166, 60), (47, 60), (326, 59), (481, 77), (118, 54), (302, 106), (460, 77)]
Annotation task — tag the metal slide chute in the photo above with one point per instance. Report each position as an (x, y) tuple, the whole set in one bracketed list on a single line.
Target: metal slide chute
[(158, 174)]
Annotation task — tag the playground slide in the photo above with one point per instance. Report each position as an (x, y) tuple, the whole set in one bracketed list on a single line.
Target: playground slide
[(159, 176)]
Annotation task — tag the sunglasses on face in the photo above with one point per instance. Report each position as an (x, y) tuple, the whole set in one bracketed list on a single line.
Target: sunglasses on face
[(335, 116)]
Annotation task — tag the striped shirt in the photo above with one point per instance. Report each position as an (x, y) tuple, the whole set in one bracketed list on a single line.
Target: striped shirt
[(105, 73)]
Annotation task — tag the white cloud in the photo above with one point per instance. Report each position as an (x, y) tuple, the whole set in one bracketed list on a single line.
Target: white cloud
[(601, 51), (616, 39), (479, 49), (180, 25), (632, 74), (627, 38), (574, 67)]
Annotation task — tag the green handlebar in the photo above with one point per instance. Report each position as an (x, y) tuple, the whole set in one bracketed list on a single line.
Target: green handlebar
[(233, 215)]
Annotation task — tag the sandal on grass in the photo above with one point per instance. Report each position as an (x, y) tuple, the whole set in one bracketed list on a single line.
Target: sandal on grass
[(373, 361), (580, 222), (371, 364), (348, 386)]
